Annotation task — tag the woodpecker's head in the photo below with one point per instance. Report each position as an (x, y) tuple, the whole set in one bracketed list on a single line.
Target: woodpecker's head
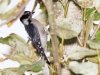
[(26, 17)]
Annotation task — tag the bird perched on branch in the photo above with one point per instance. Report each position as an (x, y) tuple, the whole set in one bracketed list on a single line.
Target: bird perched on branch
[(36, 32)]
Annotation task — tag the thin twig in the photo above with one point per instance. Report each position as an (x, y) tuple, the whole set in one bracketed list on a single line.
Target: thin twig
[(49, 6), (65, 7), (79, 41), (98, 52), (35, 4)]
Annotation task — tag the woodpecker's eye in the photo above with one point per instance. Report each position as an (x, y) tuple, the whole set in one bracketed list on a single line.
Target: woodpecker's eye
[(26, 15), (27, 12)]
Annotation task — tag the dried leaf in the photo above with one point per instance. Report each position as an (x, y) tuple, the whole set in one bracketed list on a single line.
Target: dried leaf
[(1, 59)]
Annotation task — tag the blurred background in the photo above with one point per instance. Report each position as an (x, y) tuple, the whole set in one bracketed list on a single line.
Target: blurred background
[(17, 28)]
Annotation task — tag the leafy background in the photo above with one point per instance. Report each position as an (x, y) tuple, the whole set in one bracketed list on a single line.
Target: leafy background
[(73, 22), (18, 29)]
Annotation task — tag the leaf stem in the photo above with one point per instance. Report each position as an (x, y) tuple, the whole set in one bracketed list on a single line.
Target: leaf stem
[(98, 52), (65, 7)]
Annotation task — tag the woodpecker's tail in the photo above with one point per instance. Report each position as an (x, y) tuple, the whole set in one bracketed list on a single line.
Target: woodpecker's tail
[(45, 58), (42, 54)]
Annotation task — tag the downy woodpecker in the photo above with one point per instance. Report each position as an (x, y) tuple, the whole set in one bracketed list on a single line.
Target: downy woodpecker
[(36, 33)]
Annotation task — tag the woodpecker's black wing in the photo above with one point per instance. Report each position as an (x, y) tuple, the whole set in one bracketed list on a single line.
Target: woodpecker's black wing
[(35, 38)]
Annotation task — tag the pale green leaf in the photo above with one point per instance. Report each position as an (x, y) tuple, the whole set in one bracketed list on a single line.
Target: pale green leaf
[(24, 68), (77, 52), (14, 13), (85, 3), (89, 25), (11, 72), (73, 22), (65, 33), (96, 15), (38, 66), (94, 44), (21, 51), (10, 14), (97, 4), (85, 68), (3, 5), (35, 67), (19, 57), (69, 24), (98, 35)]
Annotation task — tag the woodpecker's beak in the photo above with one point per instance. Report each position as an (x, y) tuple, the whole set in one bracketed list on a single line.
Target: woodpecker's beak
[(31, 15)]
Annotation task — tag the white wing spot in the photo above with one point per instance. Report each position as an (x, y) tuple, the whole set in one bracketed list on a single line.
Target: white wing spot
[(40, 47), (39, 42)]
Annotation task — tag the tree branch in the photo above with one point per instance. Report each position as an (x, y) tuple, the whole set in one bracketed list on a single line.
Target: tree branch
[(49, 6)]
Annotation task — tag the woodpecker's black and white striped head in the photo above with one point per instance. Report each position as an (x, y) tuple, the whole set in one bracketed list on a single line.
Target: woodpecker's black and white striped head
[(25, 18)]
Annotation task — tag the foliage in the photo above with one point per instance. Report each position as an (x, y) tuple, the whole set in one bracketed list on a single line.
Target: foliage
[(67, 19), (87, 68)]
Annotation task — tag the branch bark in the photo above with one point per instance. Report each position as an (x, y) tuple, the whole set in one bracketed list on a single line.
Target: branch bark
[(49, 6)]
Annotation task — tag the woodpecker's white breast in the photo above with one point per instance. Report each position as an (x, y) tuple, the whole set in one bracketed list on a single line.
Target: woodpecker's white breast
[(25, 21)]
